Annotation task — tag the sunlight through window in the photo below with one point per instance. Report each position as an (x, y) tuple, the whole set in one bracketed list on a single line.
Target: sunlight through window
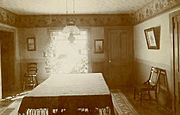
[(67, 57)]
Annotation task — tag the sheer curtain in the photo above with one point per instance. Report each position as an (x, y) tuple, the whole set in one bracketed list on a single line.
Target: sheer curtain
[(62, 56)]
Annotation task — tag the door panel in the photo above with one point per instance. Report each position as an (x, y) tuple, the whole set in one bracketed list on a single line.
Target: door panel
[(119, 57), (7, 63), (177, 56)]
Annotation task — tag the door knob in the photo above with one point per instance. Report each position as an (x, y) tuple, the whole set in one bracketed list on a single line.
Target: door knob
[(109, 61)]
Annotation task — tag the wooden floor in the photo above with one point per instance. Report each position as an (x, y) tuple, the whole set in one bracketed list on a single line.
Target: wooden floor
[(146, 108)]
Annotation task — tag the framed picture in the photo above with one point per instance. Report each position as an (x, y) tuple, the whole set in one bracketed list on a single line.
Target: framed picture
[(31, 44), (152, 38), (98, 46)]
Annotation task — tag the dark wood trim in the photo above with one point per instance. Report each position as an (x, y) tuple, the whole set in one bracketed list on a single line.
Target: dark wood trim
[(155, 36), (172, 37)]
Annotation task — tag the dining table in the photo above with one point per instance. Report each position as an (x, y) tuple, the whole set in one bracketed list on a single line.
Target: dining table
[(70, 94)]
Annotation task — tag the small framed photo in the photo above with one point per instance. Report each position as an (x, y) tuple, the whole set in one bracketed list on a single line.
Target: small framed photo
[(31, 44), (151, 38), (98, 46)]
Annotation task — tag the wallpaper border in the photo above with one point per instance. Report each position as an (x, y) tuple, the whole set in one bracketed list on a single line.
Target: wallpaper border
[(152, 9), (7, 17), (80, 20), (148, 11)]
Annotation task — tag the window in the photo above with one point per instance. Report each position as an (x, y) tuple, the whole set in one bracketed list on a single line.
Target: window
[(63, 56)]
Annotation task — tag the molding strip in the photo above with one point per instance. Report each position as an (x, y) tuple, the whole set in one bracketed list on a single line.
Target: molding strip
[(7, 17), (154, 8), (80, 20), (150, 63)]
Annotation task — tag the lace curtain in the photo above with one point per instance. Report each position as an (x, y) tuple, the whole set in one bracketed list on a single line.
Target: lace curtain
[(65, 57)]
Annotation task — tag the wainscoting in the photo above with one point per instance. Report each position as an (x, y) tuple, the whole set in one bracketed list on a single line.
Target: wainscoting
[(98, 67)]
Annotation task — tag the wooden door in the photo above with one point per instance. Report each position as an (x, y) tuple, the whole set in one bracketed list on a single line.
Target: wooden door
[(176, 58), (0, 74), (7, 63), (119, 56)]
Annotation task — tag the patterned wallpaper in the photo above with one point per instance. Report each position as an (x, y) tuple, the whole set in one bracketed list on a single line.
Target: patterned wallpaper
[(80, 20), (154, 8), (148, 11), (7, 17)]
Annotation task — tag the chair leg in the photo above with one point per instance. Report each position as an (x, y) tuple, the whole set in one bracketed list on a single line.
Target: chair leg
[(23, 87), (34, 85)]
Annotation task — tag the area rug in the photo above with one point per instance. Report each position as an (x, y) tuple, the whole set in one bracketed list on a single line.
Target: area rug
[(121, 104)]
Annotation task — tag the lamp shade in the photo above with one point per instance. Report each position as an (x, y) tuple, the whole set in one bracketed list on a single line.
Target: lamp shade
[(71, 28)]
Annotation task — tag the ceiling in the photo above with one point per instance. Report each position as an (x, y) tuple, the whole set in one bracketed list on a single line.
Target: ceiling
[(44, 7)]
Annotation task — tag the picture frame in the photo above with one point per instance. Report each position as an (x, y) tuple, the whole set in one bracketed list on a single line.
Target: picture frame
[(98, 46), (152, 36), (31, 44)]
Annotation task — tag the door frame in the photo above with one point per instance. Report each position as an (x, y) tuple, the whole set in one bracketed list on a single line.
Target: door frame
[(173, 57)]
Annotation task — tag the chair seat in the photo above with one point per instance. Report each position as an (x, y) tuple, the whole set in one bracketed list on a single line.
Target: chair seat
[(30, 81), (144, 87), (30, 84)]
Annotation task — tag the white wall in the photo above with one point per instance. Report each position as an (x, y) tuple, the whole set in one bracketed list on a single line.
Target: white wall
[(150, 57), (140, 46)]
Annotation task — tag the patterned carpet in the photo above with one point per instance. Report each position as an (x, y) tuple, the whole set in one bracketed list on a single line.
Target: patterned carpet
[(121, 104)]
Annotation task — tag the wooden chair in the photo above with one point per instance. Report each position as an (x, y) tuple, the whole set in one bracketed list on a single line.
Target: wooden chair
[(150, 85), (30, 77)]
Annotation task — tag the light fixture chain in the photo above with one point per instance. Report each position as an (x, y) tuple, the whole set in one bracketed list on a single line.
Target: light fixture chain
[(66, 8), (71, 27), (73, 6)]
